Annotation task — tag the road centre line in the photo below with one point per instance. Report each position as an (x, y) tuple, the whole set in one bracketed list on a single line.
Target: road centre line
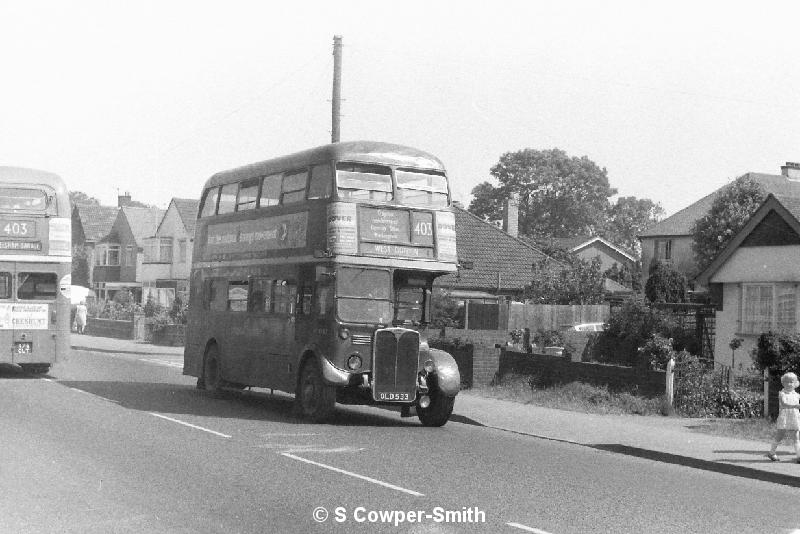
[(355, 475), (527, 528), (184, 423)]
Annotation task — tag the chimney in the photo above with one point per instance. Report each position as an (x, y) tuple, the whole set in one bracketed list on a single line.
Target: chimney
[(511, 215), (791, 170), (123, 200)]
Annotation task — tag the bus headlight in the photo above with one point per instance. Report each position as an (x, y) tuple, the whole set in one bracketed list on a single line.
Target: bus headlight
[(429, 366), (424, 401), (354, 362), (344, 333)]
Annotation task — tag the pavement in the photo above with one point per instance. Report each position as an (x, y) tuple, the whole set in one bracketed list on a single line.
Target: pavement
[(673, 440)]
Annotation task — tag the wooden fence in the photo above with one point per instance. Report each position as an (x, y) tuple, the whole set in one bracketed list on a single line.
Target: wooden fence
[(509, 316)]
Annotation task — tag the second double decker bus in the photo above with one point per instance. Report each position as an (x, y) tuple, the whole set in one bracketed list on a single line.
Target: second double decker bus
[(35, 268), (312, 274)]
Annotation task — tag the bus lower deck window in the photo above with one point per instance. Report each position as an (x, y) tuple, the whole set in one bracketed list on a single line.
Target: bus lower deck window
[(37, 286)]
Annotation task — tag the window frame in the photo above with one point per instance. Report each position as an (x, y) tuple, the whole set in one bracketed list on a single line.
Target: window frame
[(749, 322)]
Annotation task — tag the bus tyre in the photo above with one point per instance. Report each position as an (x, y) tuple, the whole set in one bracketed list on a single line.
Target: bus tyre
[(438, 412), (212, 374), (314, 398)]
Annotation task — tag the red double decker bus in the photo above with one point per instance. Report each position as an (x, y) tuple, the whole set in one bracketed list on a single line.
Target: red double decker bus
[(35, 267), (312, 274)]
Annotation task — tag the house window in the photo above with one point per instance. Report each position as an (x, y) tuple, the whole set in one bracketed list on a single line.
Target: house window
[(769, 307), (663, 250), (182, 250), (165, 250), (131, 253), (107, 255)]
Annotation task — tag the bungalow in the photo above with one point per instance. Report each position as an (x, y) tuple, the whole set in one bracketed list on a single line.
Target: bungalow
[(754, 280)]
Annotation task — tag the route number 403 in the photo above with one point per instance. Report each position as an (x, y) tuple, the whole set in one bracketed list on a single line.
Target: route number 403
[(16, 229), (423, 228)]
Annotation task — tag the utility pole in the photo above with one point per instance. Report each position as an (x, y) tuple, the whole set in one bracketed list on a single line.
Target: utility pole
[(337, 88)]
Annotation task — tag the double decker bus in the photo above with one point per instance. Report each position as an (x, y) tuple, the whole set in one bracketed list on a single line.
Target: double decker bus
[(312, 274), (35, 268)]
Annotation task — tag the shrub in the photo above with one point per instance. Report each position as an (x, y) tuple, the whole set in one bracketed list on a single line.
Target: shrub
[(657, 351), (778, 353), (702, 391)]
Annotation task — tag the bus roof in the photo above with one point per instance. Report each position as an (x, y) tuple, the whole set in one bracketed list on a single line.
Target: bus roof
[(357, 151), (22, 175)]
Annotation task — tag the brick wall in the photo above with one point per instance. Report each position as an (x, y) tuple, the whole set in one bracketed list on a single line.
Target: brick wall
[(110, 328), (559, 370), (485, 357)]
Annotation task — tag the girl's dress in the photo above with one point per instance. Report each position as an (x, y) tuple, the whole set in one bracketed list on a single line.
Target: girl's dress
[(788, 418)]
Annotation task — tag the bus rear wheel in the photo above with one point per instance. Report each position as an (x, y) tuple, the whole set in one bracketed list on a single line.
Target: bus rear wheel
[(212, 374), (439, 411), (314, 398)]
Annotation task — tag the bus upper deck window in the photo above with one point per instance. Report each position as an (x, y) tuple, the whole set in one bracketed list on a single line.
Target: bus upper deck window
[(210, 202), (364, 182), (294, 187), (227, 198), (271, 191), (321, 182), (422, 188), (37, 286), (248, 194), (16, 198)]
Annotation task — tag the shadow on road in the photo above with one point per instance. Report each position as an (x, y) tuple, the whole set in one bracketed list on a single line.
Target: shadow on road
[(247, 405), (706, 465), (11, 372)]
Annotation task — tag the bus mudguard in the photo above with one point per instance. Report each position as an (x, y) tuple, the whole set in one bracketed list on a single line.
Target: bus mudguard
[(332, 374), (448, 379)]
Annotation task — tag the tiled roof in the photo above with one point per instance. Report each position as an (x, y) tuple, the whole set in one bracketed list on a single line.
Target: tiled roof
[(681, 222), (143, 222), (491, 251), (96, 220), (568, 243), (792, 205), (187, 209)]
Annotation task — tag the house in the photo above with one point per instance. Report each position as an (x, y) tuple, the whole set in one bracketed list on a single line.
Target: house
[(90, 223), (118, 255), (168, 254), (493, 262), (671, 239), (591, 247), (755, 279)]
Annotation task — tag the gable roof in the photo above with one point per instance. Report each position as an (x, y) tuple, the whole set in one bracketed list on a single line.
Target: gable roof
[(143, 222), (96, 220), (187, 212), (500, 261), (681, 223), (787, 208), (574, 244)]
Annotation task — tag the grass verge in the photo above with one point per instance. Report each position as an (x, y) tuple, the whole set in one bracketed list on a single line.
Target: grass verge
[(586, 398)]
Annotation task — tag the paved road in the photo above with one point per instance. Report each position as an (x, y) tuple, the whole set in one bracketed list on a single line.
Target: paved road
[(117, 442)]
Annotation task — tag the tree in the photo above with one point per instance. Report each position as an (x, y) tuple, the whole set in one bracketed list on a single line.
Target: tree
[(628, 218), (576, 282), (665, 284), (80, 266), (626, 275), (729, 212), (79, 197), (559, 195)]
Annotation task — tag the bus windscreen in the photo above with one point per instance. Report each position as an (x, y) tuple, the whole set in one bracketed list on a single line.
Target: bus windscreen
[(15, 198)]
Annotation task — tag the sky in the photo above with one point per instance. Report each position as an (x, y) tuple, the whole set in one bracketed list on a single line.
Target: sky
[(153, 97)]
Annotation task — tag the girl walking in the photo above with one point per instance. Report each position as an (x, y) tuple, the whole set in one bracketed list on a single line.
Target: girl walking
[(788, 422)]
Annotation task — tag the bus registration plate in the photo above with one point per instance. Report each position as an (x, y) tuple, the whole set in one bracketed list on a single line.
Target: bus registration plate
[(24, 347), (389, 396)]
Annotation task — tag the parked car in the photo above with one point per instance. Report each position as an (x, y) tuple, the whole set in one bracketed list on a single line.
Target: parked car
[(587, 327)]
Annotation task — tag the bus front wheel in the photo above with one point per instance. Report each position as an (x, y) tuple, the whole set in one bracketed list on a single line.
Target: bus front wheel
[(212, 375), (314, 398), (439, 411)]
